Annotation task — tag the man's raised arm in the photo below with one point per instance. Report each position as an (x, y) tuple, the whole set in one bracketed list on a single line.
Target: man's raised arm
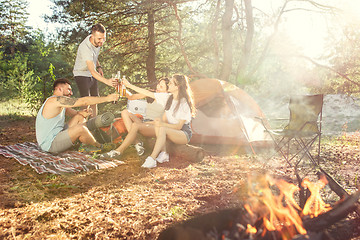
[(68, 102)]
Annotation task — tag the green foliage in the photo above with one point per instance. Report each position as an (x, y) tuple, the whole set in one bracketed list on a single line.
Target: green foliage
[(28, 74), (13, 16), (177, 212), (14, 109), (345, 60)]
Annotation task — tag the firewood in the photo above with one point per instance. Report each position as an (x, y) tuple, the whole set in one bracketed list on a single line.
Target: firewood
[(340, 211), (341, 192)]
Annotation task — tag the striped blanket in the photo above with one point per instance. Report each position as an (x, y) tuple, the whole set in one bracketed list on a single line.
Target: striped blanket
[(43, 162)]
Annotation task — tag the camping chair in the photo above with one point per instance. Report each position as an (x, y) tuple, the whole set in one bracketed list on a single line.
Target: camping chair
[(303, 129), (296, 140)]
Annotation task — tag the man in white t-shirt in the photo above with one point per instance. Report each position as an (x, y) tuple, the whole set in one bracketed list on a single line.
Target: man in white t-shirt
[(87, 69)]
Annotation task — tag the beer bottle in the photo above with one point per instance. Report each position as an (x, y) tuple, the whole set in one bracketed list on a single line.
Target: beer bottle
[(123, 89), (117, 78)]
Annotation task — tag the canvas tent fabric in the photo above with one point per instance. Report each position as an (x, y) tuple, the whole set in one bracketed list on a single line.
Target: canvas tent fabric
[(225, 114)]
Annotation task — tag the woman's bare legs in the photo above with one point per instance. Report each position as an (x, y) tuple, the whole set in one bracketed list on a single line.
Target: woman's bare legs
[(129, 119), (145, 129), (163, 133)]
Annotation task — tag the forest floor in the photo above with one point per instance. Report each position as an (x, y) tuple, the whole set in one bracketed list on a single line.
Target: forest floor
[(128, 202)]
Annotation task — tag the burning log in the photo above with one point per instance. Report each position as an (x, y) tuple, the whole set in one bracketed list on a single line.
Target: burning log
[(267, 216), (335, 186), (336, 214), (313, 236), (208, 224)]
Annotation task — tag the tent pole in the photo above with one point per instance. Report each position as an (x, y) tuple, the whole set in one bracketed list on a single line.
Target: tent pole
[(228, 99)]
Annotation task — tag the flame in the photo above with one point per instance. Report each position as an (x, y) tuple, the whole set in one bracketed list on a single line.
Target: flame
[(280, 212), (248, 209), (251, 229), (315, 205)]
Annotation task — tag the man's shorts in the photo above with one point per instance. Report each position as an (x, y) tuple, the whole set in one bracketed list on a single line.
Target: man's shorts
[(88, 86), (62, 142)]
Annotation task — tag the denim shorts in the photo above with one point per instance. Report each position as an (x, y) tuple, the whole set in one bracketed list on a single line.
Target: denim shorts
[(187, 130)]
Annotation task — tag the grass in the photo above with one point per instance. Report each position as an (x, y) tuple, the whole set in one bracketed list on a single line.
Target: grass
[(14, 109)]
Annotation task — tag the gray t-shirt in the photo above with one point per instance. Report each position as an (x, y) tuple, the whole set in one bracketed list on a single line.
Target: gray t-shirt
[(85, 52)]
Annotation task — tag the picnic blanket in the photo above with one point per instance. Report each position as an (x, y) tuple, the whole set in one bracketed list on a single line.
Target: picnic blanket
[(29, 153)]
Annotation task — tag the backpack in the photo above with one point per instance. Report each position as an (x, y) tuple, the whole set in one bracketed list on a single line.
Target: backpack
[(114, 133)]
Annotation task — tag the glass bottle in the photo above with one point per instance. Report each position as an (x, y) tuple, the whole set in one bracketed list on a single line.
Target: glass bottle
[(123, 89)]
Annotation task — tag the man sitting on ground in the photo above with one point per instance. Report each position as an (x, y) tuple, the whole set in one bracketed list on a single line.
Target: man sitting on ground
[(52, 134)]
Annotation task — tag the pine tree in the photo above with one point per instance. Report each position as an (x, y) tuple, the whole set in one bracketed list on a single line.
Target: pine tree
[(13, 17)]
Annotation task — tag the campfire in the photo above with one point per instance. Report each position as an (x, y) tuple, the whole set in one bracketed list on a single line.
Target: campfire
[(270, 212), (279, 214)]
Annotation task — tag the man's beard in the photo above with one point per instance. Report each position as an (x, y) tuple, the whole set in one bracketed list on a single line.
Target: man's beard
[(97, 44)]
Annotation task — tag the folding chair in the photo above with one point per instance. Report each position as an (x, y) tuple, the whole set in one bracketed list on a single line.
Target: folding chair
[(297, 139), (303, 129)]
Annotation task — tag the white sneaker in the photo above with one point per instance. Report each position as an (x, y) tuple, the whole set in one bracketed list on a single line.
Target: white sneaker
[(149, 163), (139, 148), (111, 154), (163, 157)]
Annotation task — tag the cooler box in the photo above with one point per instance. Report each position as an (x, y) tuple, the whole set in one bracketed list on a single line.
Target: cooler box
[(137, 107)]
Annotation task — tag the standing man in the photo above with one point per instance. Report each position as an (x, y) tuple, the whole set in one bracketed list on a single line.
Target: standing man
[(52, 134), (87, 69)]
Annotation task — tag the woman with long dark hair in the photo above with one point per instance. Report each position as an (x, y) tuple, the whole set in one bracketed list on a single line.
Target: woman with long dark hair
[(175, 123)]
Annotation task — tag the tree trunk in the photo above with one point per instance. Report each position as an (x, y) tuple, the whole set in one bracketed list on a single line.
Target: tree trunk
[(227, 45), (214, 37), (248, 40), (150, 61), (179, 38), (184, 151)]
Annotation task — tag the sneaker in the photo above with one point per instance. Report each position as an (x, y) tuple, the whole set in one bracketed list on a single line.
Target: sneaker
[(106, 147), (149, 163), (111, 154), (163, 157), (139, 148)]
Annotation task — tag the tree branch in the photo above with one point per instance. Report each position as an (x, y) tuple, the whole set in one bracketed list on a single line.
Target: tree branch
[(179, 38), (326, 67)]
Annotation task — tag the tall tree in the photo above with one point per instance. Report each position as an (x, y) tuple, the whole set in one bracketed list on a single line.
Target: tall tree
[(150, 61), (13, 17), (250, 30), (214, 38), (227, 24)]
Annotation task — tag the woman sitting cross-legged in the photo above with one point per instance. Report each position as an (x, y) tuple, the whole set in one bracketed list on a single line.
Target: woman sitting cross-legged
[(175, 124)]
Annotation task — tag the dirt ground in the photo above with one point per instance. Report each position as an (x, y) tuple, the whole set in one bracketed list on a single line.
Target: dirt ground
[(128, 202)]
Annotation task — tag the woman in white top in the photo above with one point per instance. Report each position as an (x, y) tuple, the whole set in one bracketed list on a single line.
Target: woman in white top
[(130, 118), (175, 124)]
